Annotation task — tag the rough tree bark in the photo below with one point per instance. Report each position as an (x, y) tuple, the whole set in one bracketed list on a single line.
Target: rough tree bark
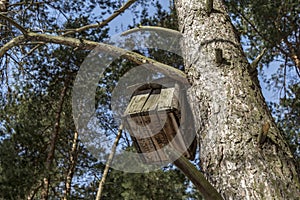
[(3, 5), (230, 111)]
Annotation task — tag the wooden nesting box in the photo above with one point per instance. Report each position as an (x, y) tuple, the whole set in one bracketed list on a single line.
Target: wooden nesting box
[(153, 119)]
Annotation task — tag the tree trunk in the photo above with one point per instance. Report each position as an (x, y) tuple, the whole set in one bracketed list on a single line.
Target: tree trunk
[(3, 5), (52, 146), (240, 155), (72, 167)]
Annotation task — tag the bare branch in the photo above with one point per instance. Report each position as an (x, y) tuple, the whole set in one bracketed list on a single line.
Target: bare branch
[(197, 178), (14, 42), (34, 191), (25, 3), (109, 160), (53, 141), (150, 28), (259, 33), (34, 48), (98, 25), (11, 21), (297, 71), (255, 62), (89, 45), (105, 22), (293, 52)]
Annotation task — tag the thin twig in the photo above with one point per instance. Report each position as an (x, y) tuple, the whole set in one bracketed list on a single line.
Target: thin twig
[(72, 167), (14, 23), (151, 28), (109, 160), (33, 49), (54, 7), (255, 62), (98, 25), (23, 3), (297, 71), (105, 22), (258, 32)]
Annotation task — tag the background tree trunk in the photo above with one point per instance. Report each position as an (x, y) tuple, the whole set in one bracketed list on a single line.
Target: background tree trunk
[(230, 111), (72, 166), (52, 146), (3, 5)]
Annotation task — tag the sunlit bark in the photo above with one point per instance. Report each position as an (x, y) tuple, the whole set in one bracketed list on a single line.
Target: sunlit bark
[(230, 111), (72, 166)]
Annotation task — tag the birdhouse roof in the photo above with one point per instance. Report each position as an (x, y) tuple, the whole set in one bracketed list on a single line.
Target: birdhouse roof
[(152, 97)]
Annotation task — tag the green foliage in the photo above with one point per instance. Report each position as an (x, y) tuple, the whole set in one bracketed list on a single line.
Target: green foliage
[(270, 24), (288, 118), (170, 184), (162, 18), (23, 150), (18, 170)]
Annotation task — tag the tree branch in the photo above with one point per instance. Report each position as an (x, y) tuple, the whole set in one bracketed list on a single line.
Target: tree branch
[(293, 55), (109, 19), (14, 23), (53, 141), (72, 167), (89, 45), (197, 178), (150, 28), (14, 42), (255, 62), (3, 6), (24, 3), (258, 32), (109, 160), (98, 25)]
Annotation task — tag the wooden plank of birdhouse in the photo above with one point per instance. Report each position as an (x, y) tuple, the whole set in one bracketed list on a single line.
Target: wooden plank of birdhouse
[(175, 103), (151, 147), (152, 123), (140, 131), (134, 125), (145, 129), (146, 145), (181, 140), (161, 139), (166, 100), (137, 127), (169, 129), (147, 148), (137, 102), (151, 102), (177, 142), (155, 136)]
